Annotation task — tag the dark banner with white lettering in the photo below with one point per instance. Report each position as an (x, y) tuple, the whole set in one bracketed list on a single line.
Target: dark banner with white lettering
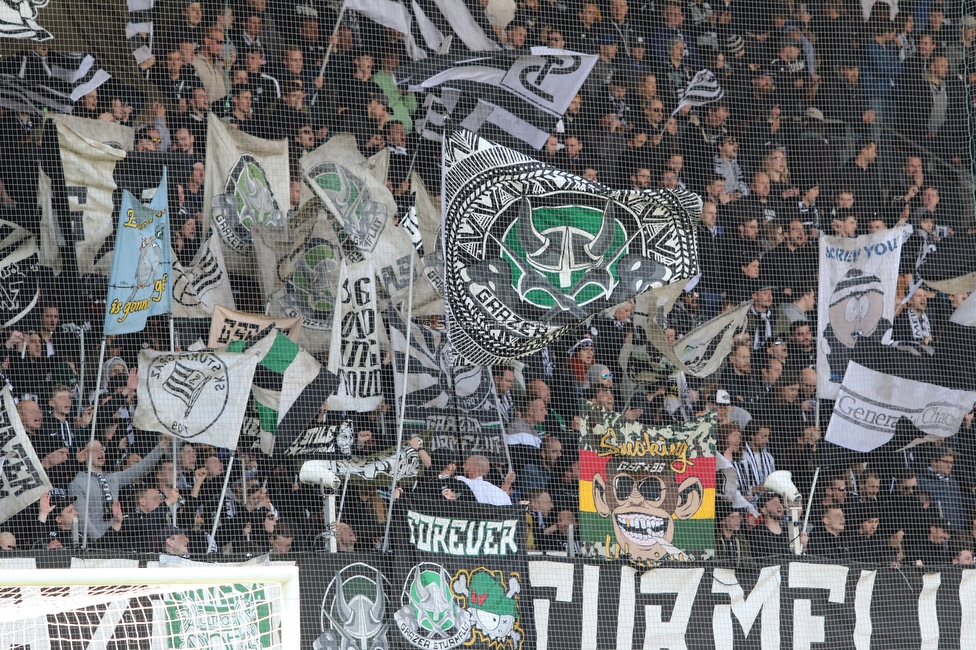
[(375, 601), (460, 577)]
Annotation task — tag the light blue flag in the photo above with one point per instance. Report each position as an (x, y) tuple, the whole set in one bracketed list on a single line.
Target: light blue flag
[(142, 270)]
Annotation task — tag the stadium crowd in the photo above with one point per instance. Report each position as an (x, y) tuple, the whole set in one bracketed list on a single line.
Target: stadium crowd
[(838, 117)]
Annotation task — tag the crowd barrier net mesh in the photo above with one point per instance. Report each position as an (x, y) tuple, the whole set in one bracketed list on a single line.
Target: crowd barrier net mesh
[(512, 323)]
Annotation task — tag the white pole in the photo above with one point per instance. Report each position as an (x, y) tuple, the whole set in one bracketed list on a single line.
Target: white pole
[(175, 506), (81, 374), (328, 51), (91, 441), (403, 407), (813, 490), (223, 493), (342, 499)]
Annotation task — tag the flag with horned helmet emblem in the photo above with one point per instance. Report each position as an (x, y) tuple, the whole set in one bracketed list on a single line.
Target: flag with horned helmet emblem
[(531, 251)]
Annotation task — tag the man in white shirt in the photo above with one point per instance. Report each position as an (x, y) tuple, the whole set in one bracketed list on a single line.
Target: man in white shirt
[(475, 470)]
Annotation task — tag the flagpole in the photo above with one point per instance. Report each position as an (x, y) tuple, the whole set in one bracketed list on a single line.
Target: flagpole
[(91, 443), (501, 419), (403, 408), (81, 374), (328, 51), (223, 493), (175, 506)]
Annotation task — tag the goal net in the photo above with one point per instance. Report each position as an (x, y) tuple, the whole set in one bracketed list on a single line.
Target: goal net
[(203, 607)]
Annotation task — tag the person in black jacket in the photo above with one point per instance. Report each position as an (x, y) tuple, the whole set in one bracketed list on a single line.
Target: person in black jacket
[(828, 539)]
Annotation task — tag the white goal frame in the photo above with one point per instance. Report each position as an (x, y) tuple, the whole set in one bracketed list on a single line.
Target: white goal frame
[(284, 575)]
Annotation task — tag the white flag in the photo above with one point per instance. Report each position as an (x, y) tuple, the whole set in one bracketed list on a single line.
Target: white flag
[(355, 351), (22, 479), (197, 396), (202, 287), (858, 282), (89, 165), (869, 405), (247, 187), (228, 326), (362, 210)]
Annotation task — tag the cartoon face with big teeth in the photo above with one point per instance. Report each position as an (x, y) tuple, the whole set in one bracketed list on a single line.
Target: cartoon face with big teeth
[(641, 503)]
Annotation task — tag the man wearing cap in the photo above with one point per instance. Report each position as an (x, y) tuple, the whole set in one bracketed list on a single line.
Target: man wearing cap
[(772, 539), (604, 70), (789, 72)]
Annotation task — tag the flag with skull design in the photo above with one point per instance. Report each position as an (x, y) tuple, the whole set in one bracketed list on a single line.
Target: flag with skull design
[(531, 251)]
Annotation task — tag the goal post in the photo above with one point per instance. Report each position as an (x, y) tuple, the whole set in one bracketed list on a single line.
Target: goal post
[(267, 597)]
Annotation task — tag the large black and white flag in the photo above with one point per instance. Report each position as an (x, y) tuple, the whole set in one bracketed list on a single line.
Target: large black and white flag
[(531, 251), (19, 286), (76, 192), (22, 478), (521, 94), (858, 283)]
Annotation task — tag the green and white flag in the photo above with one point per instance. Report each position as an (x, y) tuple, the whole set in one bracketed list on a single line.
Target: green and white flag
[(363, 213), (300, 276), (247, 187), (283, 373)]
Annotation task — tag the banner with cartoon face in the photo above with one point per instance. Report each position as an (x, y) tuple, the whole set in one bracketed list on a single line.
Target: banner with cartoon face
[(461, 575), (647, 494), (858, 282)]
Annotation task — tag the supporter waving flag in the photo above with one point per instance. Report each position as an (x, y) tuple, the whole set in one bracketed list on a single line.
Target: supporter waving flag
[(531, 251)]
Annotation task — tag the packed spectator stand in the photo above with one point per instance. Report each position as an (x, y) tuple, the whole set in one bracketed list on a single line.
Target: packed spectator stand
[(838, 117)]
